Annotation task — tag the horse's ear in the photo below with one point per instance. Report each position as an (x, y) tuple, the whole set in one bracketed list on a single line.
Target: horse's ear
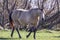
[(41, 9)]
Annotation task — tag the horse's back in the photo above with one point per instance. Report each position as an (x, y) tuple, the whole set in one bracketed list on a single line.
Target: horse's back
[(28, 18)]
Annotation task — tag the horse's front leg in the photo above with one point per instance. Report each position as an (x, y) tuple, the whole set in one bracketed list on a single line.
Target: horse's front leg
[(18, 32), (34, 35), (12, 31)]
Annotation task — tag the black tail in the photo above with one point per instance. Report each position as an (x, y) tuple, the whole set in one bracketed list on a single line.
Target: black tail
[(10, 20), (10, 13)]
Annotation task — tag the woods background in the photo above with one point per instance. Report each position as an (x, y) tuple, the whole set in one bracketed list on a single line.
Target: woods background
[(52, 14)]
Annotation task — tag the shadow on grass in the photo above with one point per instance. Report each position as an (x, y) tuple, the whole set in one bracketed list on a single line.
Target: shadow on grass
[(9, 38), (56, 36), (48, 31)]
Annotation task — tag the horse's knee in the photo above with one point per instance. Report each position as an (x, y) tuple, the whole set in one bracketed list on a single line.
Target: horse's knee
[(33, 29)]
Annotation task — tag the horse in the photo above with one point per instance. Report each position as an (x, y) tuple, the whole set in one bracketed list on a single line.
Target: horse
[(29, 18)]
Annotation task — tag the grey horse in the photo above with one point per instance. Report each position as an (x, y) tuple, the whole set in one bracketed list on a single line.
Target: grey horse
[(29, 18)]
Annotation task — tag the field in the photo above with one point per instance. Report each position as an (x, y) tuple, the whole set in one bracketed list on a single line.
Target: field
[(40, 35)]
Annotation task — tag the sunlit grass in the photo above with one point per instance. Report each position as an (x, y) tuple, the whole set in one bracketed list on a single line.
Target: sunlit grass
[(40, 35)]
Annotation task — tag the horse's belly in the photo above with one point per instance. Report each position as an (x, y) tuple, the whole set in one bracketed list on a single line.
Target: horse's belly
[(25, 18), (28, 19)]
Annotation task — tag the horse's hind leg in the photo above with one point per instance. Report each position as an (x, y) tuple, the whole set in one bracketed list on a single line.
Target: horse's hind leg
[(28, 34), (18, 32), (12, 32), (32, 29)]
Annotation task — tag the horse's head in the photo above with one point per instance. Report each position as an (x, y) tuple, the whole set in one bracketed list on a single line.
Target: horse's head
[(42, 14), (39, 12)]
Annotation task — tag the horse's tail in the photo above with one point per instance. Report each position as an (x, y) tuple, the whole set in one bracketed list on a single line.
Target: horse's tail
[(10, 13), (10, 20)]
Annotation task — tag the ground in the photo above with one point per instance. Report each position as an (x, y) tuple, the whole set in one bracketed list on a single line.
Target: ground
[(40, 35)]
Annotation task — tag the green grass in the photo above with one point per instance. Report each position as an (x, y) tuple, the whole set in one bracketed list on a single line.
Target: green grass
[(40, 35)]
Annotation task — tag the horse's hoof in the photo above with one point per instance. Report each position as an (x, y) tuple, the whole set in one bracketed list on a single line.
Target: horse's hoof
[(20, 37), (11, 36), (26, 36), (34, 39)]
